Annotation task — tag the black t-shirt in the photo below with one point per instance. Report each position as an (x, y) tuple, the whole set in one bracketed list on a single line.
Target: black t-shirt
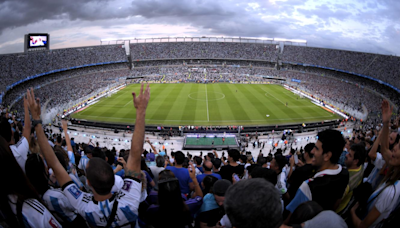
[(298, 176), (227, 171), (212, 217), (326, 190)]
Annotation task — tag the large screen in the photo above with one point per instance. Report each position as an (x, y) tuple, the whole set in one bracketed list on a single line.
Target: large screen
[(37, 40)]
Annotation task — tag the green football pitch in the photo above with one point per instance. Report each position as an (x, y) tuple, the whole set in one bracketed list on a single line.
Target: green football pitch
[(218, 104)]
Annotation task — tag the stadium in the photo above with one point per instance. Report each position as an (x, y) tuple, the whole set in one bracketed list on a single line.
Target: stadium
[(263, 98)]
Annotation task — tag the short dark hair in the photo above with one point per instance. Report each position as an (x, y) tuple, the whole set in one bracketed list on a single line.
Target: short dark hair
[(305, 212), (280, 161), (5, 129), (110, 156), (267, 174), (198, 160), (221, 186), (179, 157), (243, 158), (160, 161), (217, 163), (98, 153), (308, 148), (359, 153), (261, 161), (211, 155), (208, 183), (100, 175), (234, 154), (332, 141), (250, 211), (36, 173)]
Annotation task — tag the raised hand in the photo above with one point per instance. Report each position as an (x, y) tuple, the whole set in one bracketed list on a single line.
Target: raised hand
[(386, 111), (64, 124), (34, 104), (192, 171), (141, 101)]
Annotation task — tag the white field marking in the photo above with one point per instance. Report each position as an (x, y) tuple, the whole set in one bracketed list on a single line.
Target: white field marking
[(129, 102), (118, 118), (223, 96), (208, 117), (273, 96), (110, 106)]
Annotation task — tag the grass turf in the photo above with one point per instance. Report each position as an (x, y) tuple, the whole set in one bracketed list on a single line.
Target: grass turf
[(209, 104), (229, 141)]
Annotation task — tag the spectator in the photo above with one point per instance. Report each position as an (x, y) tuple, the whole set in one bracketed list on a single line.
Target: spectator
[(216, 165), (277, 165), (354, 161), (199, 168), (100, 175), (212, 209), (250, 211), (181, 173), (384, 200), (20, 203), (208, 183), (302, 173), (207, 167), (305, 212), (172, 210), (330, 180), (155, 170), (233, 167)]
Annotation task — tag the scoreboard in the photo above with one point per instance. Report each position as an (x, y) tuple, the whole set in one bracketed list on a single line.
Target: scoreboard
[(36, 42)]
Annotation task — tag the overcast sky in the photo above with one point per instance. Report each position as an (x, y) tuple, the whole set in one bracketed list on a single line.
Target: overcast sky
[(360, 25)]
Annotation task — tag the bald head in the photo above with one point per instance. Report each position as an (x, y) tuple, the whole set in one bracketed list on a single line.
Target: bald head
[(207, 166)]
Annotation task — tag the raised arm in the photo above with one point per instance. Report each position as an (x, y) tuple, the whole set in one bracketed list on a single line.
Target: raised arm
[(152, 147), (196, 184), (386, 114), (140, 102), (215, 153), (27, 121), (67, 140), (51, 159), (372, 153)]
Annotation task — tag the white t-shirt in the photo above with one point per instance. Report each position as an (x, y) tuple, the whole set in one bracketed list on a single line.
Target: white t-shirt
[(57, 202), (374, 176), (34, 213), (20, 152), (97, 213), (71, 157), (83, 162), (385, 202), (281, 183)]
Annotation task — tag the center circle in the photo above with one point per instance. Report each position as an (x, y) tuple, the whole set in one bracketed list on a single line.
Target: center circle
[(203, 96)]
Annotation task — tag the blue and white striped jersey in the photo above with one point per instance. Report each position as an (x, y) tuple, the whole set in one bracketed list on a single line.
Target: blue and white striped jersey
[(97, 213), (34, 213), (59, 204)]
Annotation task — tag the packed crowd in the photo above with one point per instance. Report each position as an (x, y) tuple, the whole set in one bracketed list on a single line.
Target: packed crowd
[(208, 50), (74, 84), (382, 67), (53, 181), (15, 67), (372, 85), (334, 90)]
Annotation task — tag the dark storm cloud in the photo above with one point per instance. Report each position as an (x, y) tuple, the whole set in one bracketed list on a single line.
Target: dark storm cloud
[(218, 17), (14, 13), (258, 18)]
